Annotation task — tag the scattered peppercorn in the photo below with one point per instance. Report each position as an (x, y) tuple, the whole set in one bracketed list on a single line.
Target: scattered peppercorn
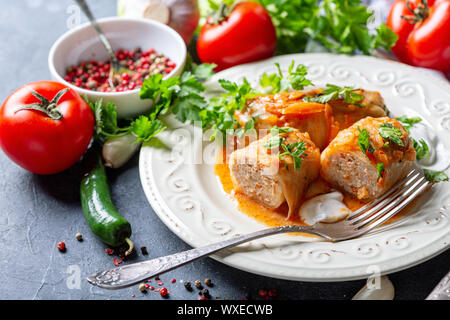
[(173, 280), (262, 293), (188, 285), (144, 250), (79, 236), (208, 282), (198, 284), (272, 293), (109, 251), (202, 298), (163, 292), (61, 246), (205, 293), (142, 287)]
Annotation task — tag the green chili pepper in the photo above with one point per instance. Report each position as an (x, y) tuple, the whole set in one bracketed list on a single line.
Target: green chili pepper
[(99, 211)]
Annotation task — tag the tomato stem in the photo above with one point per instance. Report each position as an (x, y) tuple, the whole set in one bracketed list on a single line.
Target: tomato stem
[(418, 14), (221, 14), (46, 106)]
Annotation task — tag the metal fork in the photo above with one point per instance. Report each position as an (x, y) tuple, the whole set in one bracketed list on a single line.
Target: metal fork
[(354, 225)]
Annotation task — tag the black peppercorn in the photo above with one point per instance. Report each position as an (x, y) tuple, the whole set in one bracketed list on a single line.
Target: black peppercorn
[(188, 285), (205, 293)]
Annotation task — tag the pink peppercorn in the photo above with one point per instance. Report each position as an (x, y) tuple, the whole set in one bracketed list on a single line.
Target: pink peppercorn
[(163, 292)]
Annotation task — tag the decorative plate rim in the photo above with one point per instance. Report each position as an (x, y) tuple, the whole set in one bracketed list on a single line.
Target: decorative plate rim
[(247, 262)]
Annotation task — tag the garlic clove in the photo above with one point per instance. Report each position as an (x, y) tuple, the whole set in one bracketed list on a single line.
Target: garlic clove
[(157, 11), (382, 289), (117, 151)]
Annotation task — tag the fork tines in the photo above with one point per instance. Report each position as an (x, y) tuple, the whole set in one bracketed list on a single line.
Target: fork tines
[(391, 203)]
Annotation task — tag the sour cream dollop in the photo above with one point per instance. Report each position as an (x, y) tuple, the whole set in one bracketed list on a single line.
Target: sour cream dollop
[(328, 207)]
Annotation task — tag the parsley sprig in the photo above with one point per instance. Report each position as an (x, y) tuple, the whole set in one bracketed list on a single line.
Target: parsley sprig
[(421, 147), (333, 92), (364, 142), (435, 176), (390, 133), (380, 169), (295, 150), (408, 123), (296, 79), (181, 96), (338, 25), (218, 115)]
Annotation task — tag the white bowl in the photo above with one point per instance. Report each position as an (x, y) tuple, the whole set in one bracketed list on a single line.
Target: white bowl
[(82, 43)]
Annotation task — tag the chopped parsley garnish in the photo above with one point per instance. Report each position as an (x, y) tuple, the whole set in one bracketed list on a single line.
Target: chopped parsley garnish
[(380, 169), (408, 122), (332, 92), (275, 130), (274, 142), (364, 142), (296, 150), (421, 148), (295, 79), (435, 176), (388, 132)]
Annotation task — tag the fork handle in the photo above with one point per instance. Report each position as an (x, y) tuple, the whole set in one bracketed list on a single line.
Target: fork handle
[(442, 290), (131, 274)]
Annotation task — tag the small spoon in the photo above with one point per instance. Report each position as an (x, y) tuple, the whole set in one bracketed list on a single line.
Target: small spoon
[(116, 67)]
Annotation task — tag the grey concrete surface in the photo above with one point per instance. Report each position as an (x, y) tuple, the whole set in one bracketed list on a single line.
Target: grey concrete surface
[(36, 212)]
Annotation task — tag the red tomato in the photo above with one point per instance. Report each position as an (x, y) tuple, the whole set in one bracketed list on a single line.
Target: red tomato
[(423, 35), (247, 34), (45, 142)]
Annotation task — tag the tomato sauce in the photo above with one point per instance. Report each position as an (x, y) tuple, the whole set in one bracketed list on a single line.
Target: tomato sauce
[(278, 217)]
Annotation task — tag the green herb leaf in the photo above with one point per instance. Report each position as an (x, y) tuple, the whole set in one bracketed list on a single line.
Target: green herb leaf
[(218, 115), (204, 70), (435, 176), (385, 38), (106, 125), (274, 142), (275, 130), (144, 128), (364, 142), (388, 132), (296, 150), (190, 101), (333, 92), (421, 148), (408, 123), (380, 169), (338, 25), (295, 79), (290, 18)]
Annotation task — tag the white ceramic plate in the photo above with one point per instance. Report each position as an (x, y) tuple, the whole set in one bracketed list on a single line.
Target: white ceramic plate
[(185, 193)]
